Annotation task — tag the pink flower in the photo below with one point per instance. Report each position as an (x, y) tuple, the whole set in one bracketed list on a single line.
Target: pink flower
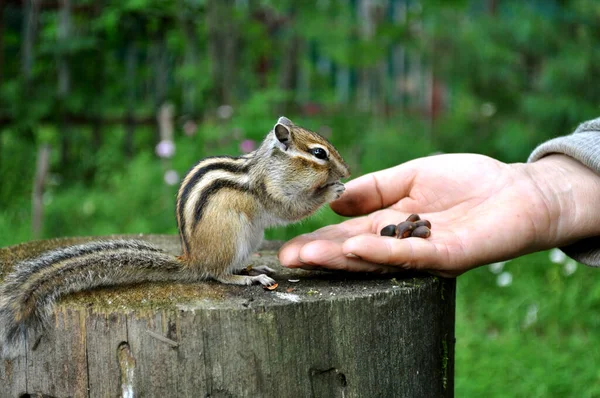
[(190, 127), (311, 108), (247, 146)]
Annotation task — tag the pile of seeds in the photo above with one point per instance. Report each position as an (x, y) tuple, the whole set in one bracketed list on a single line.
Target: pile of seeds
[(413, 226)]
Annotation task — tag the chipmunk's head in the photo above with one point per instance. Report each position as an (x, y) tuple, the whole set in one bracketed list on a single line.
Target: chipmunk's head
[(308, 149), (306, 163)]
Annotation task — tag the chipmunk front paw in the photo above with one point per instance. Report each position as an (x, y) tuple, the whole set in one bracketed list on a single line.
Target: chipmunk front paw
[(338, 189)]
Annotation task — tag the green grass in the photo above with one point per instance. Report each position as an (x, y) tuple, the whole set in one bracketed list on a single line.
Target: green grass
[(503, 352)]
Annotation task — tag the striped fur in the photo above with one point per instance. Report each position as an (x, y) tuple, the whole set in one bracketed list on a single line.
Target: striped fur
[(222, 198), (28, 294), (190, 199), (223, 206)]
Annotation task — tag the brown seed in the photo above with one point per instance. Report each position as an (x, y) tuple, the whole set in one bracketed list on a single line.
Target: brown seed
[(421, 232), (271, 287), (390, 230), (413, 218), (423, 223), (404, 229)]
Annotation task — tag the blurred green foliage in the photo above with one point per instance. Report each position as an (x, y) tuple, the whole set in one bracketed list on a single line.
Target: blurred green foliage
[(387, 81)]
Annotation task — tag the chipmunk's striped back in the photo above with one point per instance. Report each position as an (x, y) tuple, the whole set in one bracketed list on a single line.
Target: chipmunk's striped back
[(282, 181), (205, 179), (223, 206)]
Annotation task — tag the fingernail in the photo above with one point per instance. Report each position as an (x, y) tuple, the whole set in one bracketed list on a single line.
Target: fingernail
[(352, 255)]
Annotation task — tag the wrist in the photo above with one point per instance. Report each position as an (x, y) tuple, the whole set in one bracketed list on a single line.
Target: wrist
[(570, 197)]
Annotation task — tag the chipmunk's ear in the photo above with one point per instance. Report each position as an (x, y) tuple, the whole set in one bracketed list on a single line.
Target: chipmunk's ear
[(283, 132), (285, 121)]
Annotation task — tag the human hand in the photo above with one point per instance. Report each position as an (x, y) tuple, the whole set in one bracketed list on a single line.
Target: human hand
[(481, 211)]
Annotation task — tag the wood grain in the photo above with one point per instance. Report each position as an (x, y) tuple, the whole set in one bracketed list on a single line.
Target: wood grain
[(328, 335)]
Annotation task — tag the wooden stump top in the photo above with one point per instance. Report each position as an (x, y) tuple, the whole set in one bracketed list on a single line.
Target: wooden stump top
[(295, 285), (318, 334)]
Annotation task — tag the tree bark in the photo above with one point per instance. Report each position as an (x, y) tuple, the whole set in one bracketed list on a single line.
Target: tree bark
[(37, 195), (30, 27), (1, 65), (98, 102), (31, 13), (159, 60), (130, 73), (1, 43), (317, 335), (64, 80), (185, 16), (223, 48), (289, 71)]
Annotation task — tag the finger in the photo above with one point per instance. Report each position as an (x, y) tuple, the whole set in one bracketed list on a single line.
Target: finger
[(329, 255), (410, 253), (374, 191), (289, 252)]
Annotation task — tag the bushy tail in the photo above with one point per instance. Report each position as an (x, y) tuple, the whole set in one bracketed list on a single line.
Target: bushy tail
[(13, 334), (29, 293)]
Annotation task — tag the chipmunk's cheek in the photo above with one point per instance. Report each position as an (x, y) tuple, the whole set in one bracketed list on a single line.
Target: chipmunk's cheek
[(320, 185)]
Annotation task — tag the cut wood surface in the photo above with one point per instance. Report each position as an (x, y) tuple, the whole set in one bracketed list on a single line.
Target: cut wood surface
[(318, 334)]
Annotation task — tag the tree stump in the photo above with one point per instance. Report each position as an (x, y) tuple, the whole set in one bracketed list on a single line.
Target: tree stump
[(319, 334)]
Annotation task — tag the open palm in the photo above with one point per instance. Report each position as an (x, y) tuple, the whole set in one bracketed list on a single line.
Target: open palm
[(481, 210)]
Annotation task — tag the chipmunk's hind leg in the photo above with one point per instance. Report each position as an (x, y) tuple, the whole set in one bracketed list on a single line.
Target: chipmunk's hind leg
[(246, 280)]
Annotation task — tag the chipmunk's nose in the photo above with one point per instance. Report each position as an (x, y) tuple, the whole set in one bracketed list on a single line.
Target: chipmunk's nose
[(344, 171)]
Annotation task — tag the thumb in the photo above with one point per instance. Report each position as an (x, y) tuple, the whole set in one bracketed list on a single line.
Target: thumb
[(374, 191)]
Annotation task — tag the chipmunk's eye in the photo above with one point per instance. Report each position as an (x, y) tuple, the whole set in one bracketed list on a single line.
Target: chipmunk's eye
[(319, 153)]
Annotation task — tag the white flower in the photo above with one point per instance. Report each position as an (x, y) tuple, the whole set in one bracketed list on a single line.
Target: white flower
[(557, 256), (225, 111), (165, 149), (504, 279), (171, 177), (496, 268), (570, 267), (488, 109)]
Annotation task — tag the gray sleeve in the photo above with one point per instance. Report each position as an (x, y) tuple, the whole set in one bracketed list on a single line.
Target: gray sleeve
[(584, 146)]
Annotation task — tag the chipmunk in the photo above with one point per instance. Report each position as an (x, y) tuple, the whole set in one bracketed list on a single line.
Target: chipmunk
[(223, 206)]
